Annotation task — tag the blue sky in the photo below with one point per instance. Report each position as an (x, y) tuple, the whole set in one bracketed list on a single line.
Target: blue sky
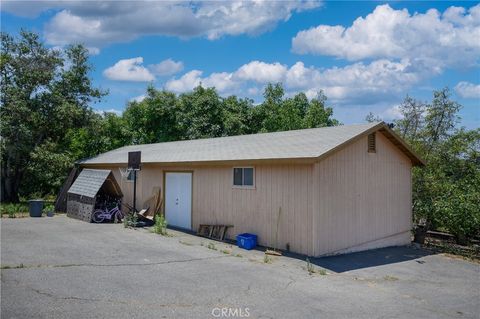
[(366, 56)]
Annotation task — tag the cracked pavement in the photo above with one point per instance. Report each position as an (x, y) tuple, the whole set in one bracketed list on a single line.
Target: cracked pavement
[(63, 268)]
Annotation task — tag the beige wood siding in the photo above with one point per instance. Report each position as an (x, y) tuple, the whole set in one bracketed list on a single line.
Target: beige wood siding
[(350, 200), (362, 197), (277, 187), (216, 201)]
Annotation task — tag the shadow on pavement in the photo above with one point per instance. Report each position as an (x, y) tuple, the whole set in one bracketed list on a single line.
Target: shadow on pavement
[(369, 258)]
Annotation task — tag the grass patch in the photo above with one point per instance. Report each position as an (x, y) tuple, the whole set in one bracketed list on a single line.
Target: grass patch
[(211, 246), (14, 210), (312, 270), (129, 220), (471, 253), (267, 259), (239, 255), (226, 251), (310, 267)]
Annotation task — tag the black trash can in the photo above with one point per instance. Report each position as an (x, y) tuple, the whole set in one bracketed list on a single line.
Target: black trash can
[(35, 207)]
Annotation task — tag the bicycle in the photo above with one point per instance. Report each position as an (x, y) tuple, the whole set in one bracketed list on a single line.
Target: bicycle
[(100, 215)]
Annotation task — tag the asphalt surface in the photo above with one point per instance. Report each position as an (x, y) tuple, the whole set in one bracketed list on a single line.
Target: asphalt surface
[(63, 268)]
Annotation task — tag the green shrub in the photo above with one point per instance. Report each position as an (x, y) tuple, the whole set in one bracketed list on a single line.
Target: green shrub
[(13, 209), (48, 208), (130, 220), (267, 259), (160, 226), (310, 267), (461, 217)]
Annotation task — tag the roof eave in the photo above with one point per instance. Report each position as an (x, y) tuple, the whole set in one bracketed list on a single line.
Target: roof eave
[(402, 145), (390, 134), (304, 160)]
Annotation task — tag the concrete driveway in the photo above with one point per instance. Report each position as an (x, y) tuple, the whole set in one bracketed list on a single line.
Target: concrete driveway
[(63, 268)]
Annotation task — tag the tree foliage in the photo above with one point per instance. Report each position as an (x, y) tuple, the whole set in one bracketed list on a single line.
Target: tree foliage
[(202, 113), (44, 93), (446, 193), (47, 121)]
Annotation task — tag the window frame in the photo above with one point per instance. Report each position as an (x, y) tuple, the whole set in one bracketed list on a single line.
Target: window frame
[(243, 186)]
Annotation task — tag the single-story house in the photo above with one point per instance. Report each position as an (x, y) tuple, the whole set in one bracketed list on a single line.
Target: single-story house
[(314, 191)]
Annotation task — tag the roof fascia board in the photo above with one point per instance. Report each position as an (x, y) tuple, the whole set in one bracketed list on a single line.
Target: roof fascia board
[(414, 158), (348, 142), (304, 160)]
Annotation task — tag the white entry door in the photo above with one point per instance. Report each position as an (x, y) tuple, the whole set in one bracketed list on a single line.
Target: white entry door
[(178, 199)]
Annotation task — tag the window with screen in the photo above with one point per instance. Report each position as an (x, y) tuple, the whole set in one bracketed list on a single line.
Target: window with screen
[(243, 176)]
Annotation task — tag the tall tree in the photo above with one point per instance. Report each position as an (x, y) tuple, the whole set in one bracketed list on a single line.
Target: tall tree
[(154, 119), (412, 120), (237, 116), (372, 117), (201, 114), (292, 111), (44, 92), (446, 192), (269, 110), (318, 114), (441, 118)]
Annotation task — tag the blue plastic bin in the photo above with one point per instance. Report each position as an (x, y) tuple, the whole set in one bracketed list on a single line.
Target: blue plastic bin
[(247, 241), (35, 207)]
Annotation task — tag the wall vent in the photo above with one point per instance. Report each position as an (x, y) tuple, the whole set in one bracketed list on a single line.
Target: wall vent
[(372, 145)]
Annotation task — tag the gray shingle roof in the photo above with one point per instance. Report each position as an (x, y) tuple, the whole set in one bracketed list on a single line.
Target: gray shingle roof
[(89, 182), (297, 144)]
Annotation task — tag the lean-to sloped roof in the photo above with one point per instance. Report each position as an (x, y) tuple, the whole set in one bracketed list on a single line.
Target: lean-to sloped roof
[(293, 145), (89, 182)]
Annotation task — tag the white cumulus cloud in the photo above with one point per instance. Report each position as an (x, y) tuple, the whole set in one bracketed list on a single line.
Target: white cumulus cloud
[(434, 39), (129, 70), (261, 72), (166, 67), (359, 82), (468, 90), (222, 81), (99, 23), (114, 111), (138, 98), (186, 82)]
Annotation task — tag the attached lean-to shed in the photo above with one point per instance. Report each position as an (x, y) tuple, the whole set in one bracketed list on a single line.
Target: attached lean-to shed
[(82, 195)]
